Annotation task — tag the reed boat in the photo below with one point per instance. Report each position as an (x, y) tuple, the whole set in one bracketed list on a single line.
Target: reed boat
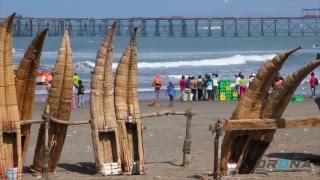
[(59, 100), (128, 112), (245, 148), (25, 82), (104, 126), (10, 132)]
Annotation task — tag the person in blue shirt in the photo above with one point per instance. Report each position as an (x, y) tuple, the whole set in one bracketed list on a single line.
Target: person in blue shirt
[(171, 92)]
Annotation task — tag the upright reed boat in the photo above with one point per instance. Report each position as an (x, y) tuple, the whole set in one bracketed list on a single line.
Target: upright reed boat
[(128, 112), (59, 99), (104, 126)]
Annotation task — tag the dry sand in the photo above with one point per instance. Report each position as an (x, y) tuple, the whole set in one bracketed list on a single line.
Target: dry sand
[(163, 142)]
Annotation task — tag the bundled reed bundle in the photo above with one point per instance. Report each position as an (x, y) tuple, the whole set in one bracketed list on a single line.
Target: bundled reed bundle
[(104, 125), (246, 147), (10, 141), (127, 110), (59, 100), (25, 82)]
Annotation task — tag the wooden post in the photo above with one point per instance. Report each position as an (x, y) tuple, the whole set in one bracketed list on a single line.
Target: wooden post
[(45, 168), (217, 151), (187, 140)]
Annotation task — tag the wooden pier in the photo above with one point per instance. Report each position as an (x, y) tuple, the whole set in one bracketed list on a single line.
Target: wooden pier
[(173, 26)]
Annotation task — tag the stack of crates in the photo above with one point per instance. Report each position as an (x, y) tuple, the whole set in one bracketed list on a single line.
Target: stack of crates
[(225, 90), (234, 94), (222, 90), (228, 90)]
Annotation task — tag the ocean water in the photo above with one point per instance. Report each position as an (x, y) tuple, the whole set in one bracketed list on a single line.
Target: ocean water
[(172, 57)]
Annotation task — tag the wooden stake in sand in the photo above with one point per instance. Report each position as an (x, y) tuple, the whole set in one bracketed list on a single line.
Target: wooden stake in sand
[(104, 126), (25, 82), (187, 141), (59, 100), (10, 138)]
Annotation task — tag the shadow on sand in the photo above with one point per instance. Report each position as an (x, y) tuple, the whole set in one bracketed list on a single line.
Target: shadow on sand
[(315, 159), (165, 162), (81, 167)]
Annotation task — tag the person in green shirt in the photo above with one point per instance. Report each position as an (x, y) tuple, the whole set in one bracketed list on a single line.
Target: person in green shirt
[(76, 79), (243, 86)]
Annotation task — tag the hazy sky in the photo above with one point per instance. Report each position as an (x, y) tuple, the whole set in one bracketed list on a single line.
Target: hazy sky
[(154, 8)]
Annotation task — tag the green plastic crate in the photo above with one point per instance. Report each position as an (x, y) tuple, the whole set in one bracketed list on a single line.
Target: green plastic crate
[(297, 98)]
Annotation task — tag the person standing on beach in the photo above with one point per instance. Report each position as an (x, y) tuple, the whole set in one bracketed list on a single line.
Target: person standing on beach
[(200, 88), (76, 80), (313, 83), (80, 95), (237, 81), (157, 83), (47, 82), (243, 86), (171, 92), (209, 88), (182, 84), (205, 86), (73, 101), (215, 79), (193, 86)]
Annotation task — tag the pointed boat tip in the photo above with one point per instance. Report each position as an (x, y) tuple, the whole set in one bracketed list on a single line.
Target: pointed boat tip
[(114, 25)]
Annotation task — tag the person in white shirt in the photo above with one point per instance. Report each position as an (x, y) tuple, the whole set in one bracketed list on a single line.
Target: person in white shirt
[(237, 81)]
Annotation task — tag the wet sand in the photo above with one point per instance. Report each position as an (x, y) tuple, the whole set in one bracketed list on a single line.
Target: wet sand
[(163, 142)]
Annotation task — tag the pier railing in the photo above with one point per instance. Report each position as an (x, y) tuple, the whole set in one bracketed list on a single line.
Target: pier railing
[(173, 27)]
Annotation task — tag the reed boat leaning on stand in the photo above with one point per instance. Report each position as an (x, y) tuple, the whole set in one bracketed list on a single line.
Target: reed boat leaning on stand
[(10, 132), (104, 126), (25, 82), (243, 147), (59, 99), (128, 112)]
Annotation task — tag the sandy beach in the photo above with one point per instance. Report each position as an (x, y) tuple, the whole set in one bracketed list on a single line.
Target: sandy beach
[(163, 142)]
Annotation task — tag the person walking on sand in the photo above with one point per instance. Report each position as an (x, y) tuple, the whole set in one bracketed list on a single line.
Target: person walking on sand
[(157, 83), (171, 92), (80, 95), (313, 82)]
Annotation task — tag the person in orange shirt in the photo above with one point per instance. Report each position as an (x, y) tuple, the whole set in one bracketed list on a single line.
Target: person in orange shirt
[(157, 83), (47, 81)]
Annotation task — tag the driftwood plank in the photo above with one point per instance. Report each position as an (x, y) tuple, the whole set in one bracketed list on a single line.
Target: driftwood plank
[(258, 124)]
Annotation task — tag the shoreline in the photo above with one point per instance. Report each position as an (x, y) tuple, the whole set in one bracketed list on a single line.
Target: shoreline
[(146, 95)]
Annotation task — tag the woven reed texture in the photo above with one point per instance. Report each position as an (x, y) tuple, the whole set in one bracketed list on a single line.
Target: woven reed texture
[(25, 82), (127, 106), (121, 107), (10, 143), (102, 95), (250, 107), (133, 101), (59, 100), (104, 132)]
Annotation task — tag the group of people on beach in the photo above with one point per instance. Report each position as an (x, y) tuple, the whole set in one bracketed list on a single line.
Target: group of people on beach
[(206, 87), (201, 88)]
